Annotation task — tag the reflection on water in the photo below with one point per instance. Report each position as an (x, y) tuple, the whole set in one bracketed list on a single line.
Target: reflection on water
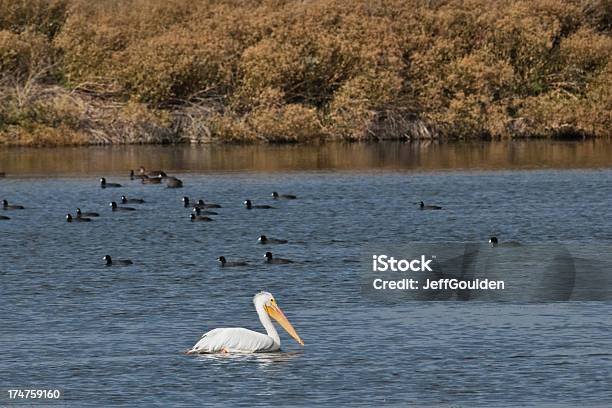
[(261, 359), (341, 156)]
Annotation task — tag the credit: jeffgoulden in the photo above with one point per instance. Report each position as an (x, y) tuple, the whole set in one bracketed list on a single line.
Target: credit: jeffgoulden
[(438, 284)]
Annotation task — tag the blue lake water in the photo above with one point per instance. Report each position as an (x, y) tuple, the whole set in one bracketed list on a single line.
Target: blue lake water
[(113, 336)]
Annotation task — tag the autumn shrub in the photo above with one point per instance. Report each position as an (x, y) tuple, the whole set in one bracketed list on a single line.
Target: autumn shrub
[(355, 109), (25, 55), (146, 71), (39, 135), (46, 17), (290, 123)]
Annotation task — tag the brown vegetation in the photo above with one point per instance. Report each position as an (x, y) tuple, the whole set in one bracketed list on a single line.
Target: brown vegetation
[(146, 71)]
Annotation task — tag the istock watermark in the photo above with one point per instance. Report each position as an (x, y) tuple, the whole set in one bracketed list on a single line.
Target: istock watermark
[(477, 271), (383, 263), (386, 263)]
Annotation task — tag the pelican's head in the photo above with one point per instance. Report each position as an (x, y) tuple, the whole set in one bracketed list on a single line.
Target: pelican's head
[(269, 304)]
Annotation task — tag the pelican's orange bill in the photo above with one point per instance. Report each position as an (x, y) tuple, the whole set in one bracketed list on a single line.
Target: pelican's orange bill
[(277, 314)]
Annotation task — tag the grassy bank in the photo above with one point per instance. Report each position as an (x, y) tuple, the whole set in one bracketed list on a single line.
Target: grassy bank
[(169, 71)]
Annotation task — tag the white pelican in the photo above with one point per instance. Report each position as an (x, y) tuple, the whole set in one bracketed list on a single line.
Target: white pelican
[(239, 340)]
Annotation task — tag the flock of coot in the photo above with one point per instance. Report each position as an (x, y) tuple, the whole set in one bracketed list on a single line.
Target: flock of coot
[(201, 211)]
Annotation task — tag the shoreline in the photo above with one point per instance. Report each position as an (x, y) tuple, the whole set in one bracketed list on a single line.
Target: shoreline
[(317, 141)]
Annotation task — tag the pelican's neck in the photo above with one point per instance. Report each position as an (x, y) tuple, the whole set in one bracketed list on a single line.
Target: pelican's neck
[(266, 322)]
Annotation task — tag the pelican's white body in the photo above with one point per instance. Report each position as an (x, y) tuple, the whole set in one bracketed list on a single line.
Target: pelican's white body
[(235, 340), (239, 340)]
